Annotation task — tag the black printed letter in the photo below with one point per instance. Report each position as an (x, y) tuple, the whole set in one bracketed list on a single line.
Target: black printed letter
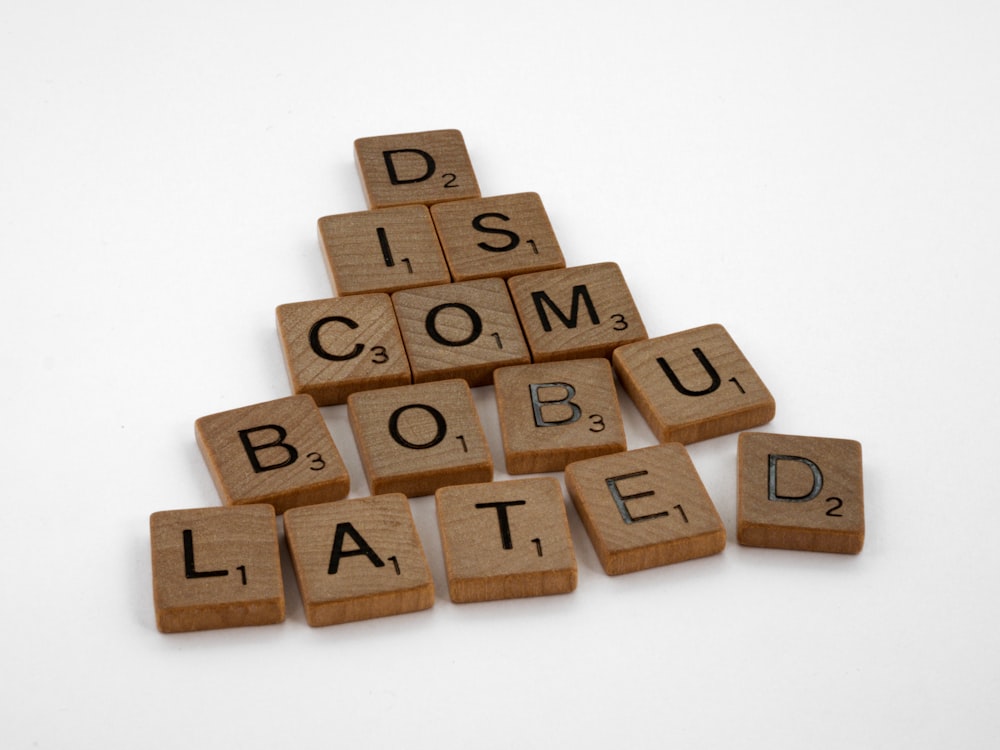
[(346, 528), (772, 479), (291, 455), (390, 165), (317, 347)]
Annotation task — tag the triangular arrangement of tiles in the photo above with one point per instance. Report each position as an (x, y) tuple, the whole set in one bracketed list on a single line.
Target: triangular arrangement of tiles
[(440, 290)]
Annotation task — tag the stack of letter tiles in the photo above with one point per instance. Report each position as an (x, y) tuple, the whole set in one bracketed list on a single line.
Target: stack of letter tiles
[(440, 290)]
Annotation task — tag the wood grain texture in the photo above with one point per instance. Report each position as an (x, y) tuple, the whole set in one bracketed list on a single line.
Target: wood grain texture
[(557, 412), (416, 438), (357, 559), (336, 347), (426, 167), (645, 508), (382, 251), (800, 493), (506, 540), (216, 568), (693, 385), (278, 452), (576, 313), (499, 236), (463, 330)]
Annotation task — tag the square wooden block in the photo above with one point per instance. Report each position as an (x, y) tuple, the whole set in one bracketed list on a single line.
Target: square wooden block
[(802, 493), (428, 167), (557, 412), (336, 347), (645, 508), (693, 385), (358, 559), (416, 438), (503, 236), (216, 568), (506, 540), (279, 452), (382, 251), (574, 313), (464, 330)]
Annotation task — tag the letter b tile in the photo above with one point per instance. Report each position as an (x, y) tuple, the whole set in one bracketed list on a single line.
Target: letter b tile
[(801, 493), (277, 452)]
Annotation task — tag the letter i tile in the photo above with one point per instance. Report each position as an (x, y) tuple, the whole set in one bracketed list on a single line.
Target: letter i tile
[(357, 559), (506, 540), (800, 493), (645, 508), (277, 452), (216, 568)]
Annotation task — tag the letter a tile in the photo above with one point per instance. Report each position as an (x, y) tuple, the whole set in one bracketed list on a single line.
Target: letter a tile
[(693, 385), (278, 452), (336, 347), (575, 313), (428, 167), (557, 412), (801, 493), (416, 438), (645, 508), (216, 568), (357, 559), (506, 540)]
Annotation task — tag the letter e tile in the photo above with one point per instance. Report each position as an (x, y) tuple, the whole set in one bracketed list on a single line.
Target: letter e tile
[(693, 385), (357, 559), (801, 493), (506, 540), (277, 452), (216, 568), (645, 508)]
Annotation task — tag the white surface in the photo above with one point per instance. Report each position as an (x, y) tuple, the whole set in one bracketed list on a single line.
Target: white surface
[(821, 178)]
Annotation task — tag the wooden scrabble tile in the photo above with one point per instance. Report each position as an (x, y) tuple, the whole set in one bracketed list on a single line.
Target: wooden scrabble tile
[(463, 330), (382, 251), (503, 236), (557, 412), (427, 167), (358, 559), (802, 493), (216, 568), (506, 540), (693, 385), (279, 452), (574, 313), (415, 438), (335, 347), (645, 508)]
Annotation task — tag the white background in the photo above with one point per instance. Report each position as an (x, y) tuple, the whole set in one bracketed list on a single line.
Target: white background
[(822, 178)]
